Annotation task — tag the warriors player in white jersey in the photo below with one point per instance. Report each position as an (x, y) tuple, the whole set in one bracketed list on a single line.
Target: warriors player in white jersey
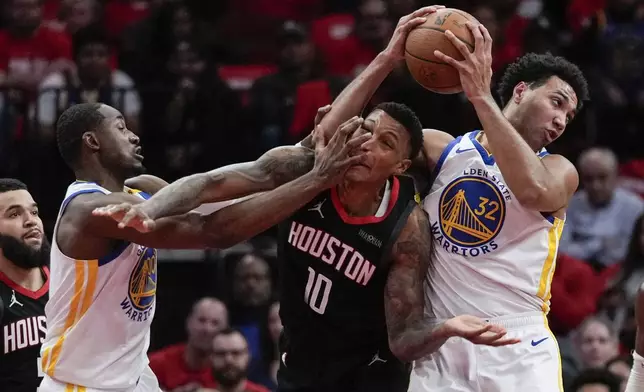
[(496, 207), (103, 278)]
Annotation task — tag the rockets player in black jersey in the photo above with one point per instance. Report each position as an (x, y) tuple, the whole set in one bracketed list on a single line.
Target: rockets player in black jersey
[(24, 286), (353, 259)]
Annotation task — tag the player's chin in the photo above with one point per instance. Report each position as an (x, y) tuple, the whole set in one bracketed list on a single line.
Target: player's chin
[(357, 173)]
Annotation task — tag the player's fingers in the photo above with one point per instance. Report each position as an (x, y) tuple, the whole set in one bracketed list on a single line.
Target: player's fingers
[(341, 133), (458, 44), (487, 39), (447, 59), (347, 129), (479, 43), (504, 342), (321, 113), (478, 332), (357, 142), (127, 218), (430, 9), (353, 160), (407, 27), (497, 328)]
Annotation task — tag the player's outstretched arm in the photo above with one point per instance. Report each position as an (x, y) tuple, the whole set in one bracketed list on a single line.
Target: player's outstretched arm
[(353, 99), (544, 185), (636, 379), (411, 335), (146, 183)]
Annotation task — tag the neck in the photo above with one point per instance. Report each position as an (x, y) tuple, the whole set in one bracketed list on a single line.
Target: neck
[(235, 388), (361, 199), (31, 279), (107, 180), (91, 82), (195, 359)]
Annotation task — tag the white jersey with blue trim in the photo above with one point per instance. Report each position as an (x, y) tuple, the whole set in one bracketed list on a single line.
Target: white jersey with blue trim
[(99, 313), (494, 257)]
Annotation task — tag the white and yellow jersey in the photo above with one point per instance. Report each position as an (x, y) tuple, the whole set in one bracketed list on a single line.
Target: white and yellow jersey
[(493, 257), (99, 313)]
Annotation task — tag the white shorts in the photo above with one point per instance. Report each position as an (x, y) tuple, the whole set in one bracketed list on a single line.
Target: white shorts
[(147, 383), (533, 365)]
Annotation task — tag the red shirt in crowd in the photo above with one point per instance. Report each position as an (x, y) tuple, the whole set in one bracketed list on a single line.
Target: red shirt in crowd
[(32, 55)]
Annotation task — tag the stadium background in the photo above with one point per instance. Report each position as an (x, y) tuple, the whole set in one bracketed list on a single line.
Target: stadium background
[(207, 83)]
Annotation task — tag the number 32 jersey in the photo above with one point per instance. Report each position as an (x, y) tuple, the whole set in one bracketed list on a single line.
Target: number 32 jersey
[(494, 257), (333, 270)]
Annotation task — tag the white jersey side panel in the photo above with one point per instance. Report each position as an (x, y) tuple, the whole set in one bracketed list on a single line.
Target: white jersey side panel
[(99, 313), (494, 257)]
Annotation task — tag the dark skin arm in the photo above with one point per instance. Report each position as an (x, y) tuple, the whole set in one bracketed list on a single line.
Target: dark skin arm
[(639, 317), (411, 335), (146, 183)]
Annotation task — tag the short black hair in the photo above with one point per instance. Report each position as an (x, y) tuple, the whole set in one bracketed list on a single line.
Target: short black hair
[(408, 119), (596, 376), (92, 34), (626, 359), (535, 69), (71, 126), (11, 184), (230, 331)]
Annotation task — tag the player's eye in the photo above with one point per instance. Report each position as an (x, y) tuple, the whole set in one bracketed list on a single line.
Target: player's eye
[(556, 102), (34, 212), (14, 215)]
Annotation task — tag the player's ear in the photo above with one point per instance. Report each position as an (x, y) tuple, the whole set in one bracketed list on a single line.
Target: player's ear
[(91, 141), (519, 91), (403, 166)]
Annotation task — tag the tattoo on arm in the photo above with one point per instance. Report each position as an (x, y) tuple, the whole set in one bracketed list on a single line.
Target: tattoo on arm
[(410, 335), (284, 164)]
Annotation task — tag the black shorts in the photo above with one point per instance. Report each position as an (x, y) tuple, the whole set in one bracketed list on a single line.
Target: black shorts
[(390, 376)]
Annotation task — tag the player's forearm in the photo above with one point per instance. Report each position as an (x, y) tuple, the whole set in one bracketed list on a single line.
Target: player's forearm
[(417, 340), (253, 216), (522, 169), (353, 99)]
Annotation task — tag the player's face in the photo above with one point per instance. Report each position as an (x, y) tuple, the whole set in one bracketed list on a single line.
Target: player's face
[(118, 146), (386, 151), (22, 237), (207, 319), (230, 359), (542, 113), (596, 345)]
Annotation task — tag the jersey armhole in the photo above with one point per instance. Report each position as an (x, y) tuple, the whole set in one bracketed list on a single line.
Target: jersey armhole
[(443, 158), (395, 233)]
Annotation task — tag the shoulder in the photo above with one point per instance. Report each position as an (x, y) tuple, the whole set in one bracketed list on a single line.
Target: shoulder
[(631, 199), (53, 80), (434, 142), (561, 166), (121, 79)]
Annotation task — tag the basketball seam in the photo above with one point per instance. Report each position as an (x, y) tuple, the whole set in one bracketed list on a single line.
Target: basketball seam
[(429, 61), (443, 31)]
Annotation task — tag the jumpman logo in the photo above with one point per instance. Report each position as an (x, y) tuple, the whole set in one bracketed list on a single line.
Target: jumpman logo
[(14, 301), (318, 208), (376, 358)]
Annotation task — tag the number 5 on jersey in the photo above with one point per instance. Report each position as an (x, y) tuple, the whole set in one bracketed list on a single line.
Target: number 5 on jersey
[(316, 294)]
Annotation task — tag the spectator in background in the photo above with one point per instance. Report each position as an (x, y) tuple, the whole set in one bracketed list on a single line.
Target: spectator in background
[(252, 292), (94, 82), (621, 368), (272, 97), (597, 343), (601, 217), (73, 15), (29, 52), (595, 380), (186, 366), (274, 332), (230, 361)]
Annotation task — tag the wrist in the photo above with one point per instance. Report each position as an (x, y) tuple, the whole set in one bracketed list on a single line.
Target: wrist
[(483, 99), (386, 60)]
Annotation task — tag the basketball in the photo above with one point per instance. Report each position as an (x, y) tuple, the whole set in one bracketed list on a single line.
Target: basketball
[(427, 69)]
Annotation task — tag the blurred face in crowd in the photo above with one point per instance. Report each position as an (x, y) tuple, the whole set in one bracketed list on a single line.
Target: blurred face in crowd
[(387, 152), (541, 113), (622, 370), (230, 359), (186, 61), (209, 316), (94, 61), (252, 284), (373, 24), (78, 13), (594, 388), (296, 53), (274, 322), (22, 238), (25, 15), (596, 345), (598, 175)]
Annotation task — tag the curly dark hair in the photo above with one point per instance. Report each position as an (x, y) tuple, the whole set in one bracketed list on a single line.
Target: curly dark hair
[(535, 69)]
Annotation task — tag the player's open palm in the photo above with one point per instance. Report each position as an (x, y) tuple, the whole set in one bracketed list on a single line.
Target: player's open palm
[(396, 47), (332, 159), (127, 215), (478, 331)]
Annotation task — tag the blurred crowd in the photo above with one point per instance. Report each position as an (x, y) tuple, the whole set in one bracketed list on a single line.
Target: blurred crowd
[(209, 83)]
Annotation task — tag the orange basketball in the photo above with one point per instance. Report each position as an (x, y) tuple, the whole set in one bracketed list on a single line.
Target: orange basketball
[(422, 41)]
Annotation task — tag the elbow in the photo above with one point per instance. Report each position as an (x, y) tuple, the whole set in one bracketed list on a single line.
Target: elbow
[(531, 194)]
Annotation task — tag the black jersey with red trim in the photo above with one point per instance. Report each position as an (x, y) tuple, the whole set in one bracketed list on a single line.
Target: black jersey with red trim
[(333, 271), (23, 328)]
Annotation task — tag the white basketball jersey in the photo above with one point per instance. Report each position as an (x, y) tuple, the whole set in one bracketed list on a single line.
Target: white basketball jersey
[(493, 256), (99, 313)]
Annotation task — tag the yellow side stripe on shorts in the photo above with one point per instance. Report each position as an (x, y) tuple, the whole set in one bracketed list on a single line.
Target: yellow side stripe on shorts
[(548, 271), (74, 388), (84, 286)]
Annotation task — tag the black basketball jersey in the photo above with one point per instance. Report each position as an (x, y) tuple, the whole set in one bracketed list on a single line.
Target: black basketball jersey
[(23, 328), (333, 271)]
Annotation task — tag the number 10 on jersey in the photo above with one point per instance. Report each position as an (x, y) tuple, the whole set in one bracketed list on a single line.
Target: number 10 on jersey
[(316, 294)]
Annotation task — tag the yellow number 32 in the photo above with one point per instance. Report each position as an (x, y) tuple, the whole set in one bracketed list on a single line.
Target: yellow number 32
[(483, 208)]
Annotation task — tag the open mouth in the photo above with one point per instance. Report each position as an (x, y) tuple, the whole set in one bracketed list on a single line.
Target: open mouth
[(138, 153)]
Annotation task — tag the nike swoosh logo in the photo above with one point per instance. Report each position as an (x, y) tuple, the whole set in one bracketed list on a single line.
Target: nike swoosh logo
[(458, 150), (537, 342)]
